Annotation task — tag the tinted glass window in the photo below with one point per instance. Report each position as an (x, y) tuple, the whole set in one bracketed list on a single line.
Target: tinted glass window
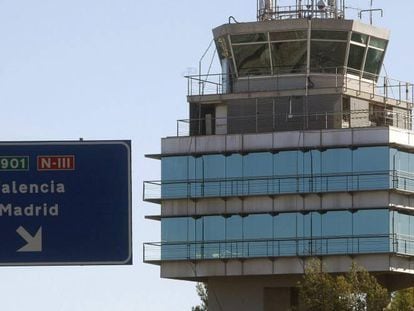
[(378, 43), (329, 35), (289, 57), (258, 227), (223, 48), (374, 61), (356, 57), (252, 59), (327, 56), (360, 38), (175, 229), (246, 38), (288, 35)]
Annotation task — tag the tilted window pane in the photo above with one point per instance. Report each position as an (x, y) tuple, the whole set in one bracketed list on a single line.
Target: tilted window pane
[(252, 59), (360, 38), (223, 47), (327, 56), (356, 57), (289, 57), (378, 43), (288, 35), (246, 38), (329, 35), (374, 61)]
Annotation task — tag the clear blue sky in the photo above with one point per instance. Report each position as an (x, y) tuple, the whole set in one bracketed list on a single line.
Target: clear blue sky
[(112, 69)]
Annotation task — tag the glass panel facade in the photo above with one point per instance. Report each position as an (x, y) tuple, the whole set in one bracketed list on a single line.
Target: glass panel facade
[(329, 35), (356, 58), (248, 38), (373, 62), (327, 56), (265, 173), (404, 229), (252, 59), (288, 52), (284, 234), (378, 43), (359, 38), (289, 57), (288, 35), (223, 48)]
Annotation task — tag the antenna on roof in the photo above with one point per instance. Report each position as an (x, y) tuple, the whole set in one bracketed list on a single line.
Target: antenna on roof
[(371, 11)]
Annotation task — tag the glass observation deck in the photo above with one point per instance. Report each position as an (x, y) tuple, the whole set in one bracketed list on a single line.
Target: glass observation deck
[(319, 48)]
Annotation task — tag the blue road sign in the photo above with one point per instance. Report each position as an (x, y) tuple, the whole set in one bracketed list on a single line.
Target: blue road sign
[(65, 203)]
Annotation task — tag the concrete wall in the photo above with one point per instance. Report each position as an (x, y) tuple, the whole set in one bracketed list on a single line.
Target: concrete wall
[(285, 203), (286, 140), (251, 294), (282, 266)]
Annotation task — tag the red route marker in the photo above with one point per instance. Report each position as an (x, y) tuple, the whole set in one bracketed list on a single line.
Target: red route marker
[(56, 163)]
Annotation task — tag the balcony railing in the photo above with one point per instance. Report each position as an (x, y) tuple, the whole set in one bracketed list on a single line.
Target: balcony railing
[(340, 77), (155, 191), (272, 248), (260, 123)]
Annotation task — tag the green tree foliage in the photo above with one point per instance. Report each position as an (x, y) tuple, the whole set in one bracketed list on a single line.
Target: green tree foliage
[(202, 292), (403, 300), (355, 291)]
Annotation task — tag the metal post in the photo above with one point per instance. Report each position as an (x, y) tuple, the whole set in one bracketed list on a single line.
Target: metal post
[(399, 91)]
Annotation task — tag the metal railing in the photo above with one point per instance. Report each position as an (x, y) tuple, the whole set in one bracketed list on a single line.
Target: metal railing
[(299, 11), (342, 77), (154, 191), (259, 123), (271, 248)]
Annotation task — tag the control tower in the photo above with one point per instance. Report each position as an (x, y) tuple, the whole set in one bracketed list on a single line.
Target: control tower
[(297, 149)]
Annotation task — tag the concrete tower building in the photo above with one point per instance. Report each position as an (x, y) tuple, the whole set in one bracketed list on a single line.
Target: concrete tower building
[(298, 149)]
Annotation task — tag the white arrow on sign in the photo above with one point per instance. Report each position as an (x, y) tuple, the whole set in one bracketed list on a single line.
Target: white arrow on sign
[(34, 243)]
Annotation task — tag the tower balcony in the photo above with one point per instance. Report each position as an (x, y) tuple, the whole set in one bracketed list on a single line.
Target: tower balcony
[(396, 244)]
